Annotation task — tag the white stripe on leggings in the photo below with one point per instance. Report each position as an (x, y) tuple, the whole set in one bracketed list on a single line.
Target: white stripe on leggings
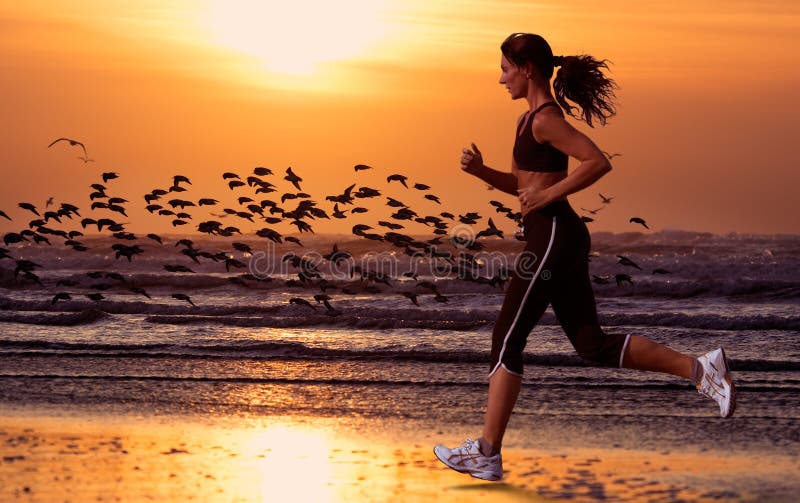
[(524, 299), (624, 347)]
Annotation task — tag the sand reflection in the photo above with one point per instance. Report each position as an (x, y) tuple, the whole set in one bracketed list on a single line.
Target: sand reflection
[(285, 463), (244, 459)]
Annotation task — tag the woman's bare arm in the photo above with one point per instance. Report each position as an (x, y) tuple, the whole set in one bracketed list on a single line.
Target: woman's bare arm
[(553, 129), (506, 182)]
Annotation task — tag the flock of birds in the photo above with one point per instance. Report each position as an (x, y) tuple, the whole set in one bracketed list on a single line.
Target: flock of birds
[(165, 202)]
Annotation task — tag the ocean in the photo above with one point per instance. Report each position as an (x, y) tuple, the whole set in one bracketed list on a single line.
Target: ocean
[(245, 348)]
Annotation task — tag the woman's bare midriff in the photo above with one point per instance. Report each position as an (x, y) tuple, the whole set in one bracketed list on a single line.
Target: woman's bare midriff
[(539, 179)]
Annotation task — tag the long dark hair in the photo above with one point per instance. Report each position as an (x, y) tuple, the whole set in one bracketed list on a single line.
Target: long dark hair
[(579, 78)]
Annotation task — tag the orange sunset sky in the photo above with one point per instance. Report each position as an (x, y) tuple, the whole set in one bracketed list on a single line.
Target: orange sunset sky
[(709, 92)]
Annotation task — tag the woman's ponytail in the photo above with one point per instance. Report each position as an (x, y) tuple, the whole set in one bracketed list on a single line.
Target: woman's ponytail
[(581, 80)]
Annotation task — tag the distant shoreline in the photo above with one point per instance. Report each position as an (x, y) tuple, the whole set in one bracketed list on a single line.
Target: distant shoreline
[(336, 235)]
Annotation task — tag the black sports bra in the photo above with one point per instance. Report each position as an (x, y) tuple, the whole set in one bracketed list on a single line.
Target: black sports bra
[(531, 155)]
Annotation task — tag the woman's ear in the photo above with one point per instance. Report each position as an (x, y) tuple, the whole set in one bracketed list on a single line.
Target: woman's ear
[(528, 70)]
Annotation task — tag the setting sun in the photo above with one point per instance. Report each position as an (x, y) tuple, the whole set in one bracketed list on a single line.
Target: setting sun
[(294, 38)]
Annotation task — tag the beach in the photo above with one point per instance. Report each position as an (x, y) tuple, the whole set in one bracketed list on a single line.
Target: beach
[(246, 395), (102, 457)]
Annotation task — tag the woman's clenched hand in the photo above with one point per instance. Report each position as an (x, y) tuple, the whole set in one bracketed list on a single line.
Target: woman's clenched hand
[(533, 198), (471, 160)]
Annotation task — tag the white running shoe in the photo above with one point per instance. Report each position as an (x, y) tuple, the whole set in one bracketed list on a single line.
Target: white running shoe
[(716, 382), (468, 458)]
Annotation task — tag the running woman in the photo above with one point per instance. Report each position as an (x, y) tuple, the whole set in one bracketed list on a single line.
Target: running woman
[(553, 269)]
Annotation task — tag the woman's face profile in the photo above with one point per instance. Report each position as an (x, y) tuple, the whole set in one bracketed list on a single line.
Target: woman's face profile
[(513, 79)]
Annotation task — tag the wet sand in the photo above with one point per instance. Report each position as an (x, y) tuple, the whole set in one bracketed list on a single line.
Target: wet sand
[(94, 457)]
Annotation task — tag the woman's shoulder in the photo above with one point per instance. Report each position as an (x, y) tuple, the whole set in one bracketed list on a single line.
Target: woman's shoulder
[(548, 115), (547, 118)]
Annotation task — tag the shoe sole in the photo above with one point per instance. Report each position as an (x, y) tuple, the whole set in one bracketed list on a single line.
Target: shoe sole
[(476, 474), (729, 381)]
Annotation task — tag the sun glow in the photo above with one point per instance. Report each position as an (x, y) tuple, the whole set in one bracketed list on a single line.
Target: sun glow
[(293, 464), (293, 38)]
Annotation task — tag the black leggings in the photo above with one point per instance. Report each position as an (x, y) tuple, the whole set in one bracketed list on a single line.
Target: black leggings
[(553, 270)]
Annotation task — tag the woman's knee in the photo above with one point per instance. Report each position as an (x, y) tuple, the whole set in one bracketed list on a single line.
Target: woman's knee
[(596, 346), (507, 348), (511, 363)]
